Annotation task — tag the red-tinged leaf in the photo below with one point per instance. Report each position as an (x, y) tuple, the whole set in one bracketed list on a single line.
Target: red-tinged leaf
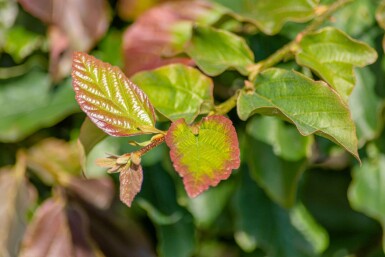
[(131, 179), (151, 36), (204, 153), (111, 101), (73, 26), (99, 192)]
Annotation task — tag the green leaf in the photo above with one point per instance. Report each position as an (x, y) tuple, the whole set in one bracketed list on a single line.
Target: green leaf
[(366, 106), (311, 106), (380, 14), (28, 104), (278, 177), (20, 43), (366, 192), (287, 143), (111, 101), (332, 54), (263, 224), (177, 91), (270, 16), (216, 50), (174, 224), (205, 153)]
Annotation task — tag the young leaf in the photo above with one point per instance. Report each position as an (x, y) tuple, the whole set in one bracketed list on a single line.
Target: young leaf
[(111, 101), (186, 88), (312, 106), (205, 153), (215, 50), (270, 16), (131, 178), (332, 54)]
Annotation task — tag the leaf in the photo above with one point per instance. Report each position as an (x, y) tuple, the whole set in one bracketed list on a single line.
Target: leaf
[(284, 139), (152, 36), (177, 91), (15, 199), (277, 176), (8, 14), (72, 27), (67, 237), (311, 106), (111, 101), (205, 153), (270, 16), (366, 106), (332, 54), (175, 238), (131, 178), (20, 43), (215, 50), (263, 224), (28, 105), (380, 14), (366, 190)]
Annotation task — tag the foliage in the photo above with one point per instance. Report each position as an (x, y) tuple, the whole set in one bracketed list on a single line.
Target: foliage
[(192, 128)]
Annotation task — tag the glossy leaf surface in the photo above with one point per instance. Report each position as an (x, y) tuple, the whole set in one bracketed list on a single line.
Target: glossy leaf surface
[(131, 178), (111, 101), (332, 54), (204, 153), (367, 190), (177, 91), (216, 50), (270, 16), (312, 106)]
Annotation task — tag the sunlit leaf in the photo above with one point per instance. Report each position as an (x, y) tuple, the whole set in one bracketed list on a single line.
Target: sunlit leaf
[(8, 14), (14, 202), (270, 16), (215, 50), (204, 153), (177, 91), (312, 106), (380, 14), (28, 105), (366, 191), (332, 54), (263, 224), (111, 101), (131, 178), (155, 33)]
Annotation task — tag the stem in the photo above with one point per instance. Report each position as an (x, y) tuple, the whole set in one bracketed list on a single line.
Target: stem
[(280, 54), (157, 140), (291, 47)]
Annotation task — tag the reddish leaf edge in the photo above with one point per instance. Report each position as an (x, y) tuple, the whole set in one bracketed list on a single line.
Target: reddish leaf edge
[(193, 190), (82, 56)]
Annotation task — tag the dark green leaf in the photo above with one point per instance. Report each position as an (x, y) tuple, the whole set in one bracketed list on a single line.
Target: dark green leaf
[(312, 106), (216, 50), (177, 91), (332, 54)]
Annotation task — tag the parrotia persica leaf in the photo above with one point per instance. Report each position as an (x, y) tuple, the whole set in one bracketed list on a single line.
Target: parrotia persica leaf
[(312, 106), (332, 54), (177, 91), (131, 178), (216, 50), (270, 16), (204, 153), (111, 101)]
